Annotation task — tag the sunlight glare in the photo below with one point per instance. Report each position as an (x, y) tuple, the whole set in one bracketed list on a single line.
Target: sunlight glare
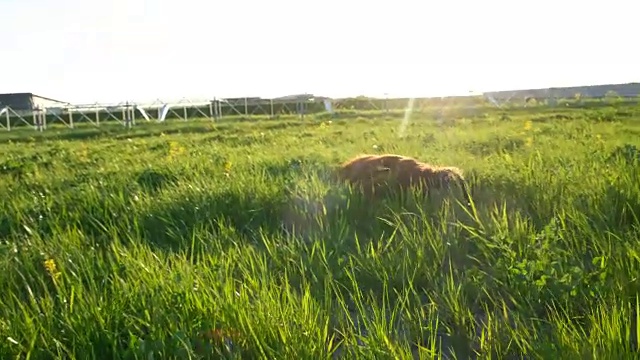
[(407, 116)]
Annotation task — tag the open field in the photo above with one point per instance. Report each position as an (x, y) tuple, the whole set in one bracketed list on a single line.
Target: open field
[(207, 240)]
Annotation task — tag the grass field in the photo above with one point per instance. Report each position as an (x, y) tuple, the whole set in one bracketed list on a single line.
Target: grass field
[(207, 240)]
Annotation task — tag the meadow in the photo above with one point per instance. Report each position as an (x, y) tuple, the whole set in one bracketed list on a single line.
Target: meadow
[(203, 239)]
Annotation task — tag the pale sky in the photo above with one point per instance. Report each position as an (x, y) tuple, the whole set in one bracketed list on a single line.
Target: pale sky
[(141, 50)]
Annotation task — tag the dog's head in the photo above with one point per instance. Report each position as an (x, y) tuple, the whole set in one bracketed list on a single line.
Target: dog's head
[(450, 178)]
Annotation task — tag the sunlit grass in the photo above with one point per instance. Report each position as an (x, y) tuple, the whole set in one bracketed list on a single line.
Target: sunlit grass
[(227, 240)]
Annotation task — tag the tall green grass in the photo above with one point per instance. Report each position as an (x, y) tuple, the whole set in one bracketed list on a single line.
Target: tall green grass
[(207, 240)]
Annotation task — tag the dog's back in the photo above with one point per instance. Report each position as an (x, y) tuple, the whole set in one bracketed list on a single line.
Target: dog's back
[(376, 172)]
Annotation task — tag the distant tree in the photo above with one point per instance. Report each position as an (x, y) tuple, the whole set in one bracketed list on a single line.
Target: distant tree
[(612, 97)]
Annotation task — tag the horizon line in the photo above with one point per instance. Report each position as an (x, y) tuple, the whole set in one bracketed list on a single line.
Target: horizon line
[(395, 95)]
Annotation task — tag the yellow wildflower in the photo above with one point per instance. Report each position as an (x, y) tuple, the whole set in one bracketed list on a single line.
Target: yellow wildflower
[(52, 269), (175, 150), (529, 141), (227, 168)]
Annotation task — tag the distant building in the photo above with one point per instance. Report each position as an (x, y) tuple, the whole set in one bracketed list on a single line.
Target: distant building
[(595, 91), (27, 102), (300, 98)]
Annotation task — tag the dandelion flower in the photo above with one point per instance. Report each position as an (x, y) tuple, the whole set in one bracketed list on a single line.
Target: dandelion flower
[(529, 141), (227, 168), (52, 269)]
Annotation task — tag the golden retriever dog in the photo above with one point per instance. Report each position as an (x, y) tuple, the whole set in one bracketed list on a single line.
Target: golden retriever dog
[(379, 173)]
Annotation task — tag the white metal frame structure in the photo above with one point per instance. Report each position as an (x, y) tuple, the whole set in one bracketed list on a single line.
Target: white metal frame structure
[(127, 113)]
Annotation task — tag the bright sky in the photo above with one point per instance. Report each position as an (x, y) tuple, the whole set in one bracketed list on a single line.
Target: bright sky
[(141, 50)]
